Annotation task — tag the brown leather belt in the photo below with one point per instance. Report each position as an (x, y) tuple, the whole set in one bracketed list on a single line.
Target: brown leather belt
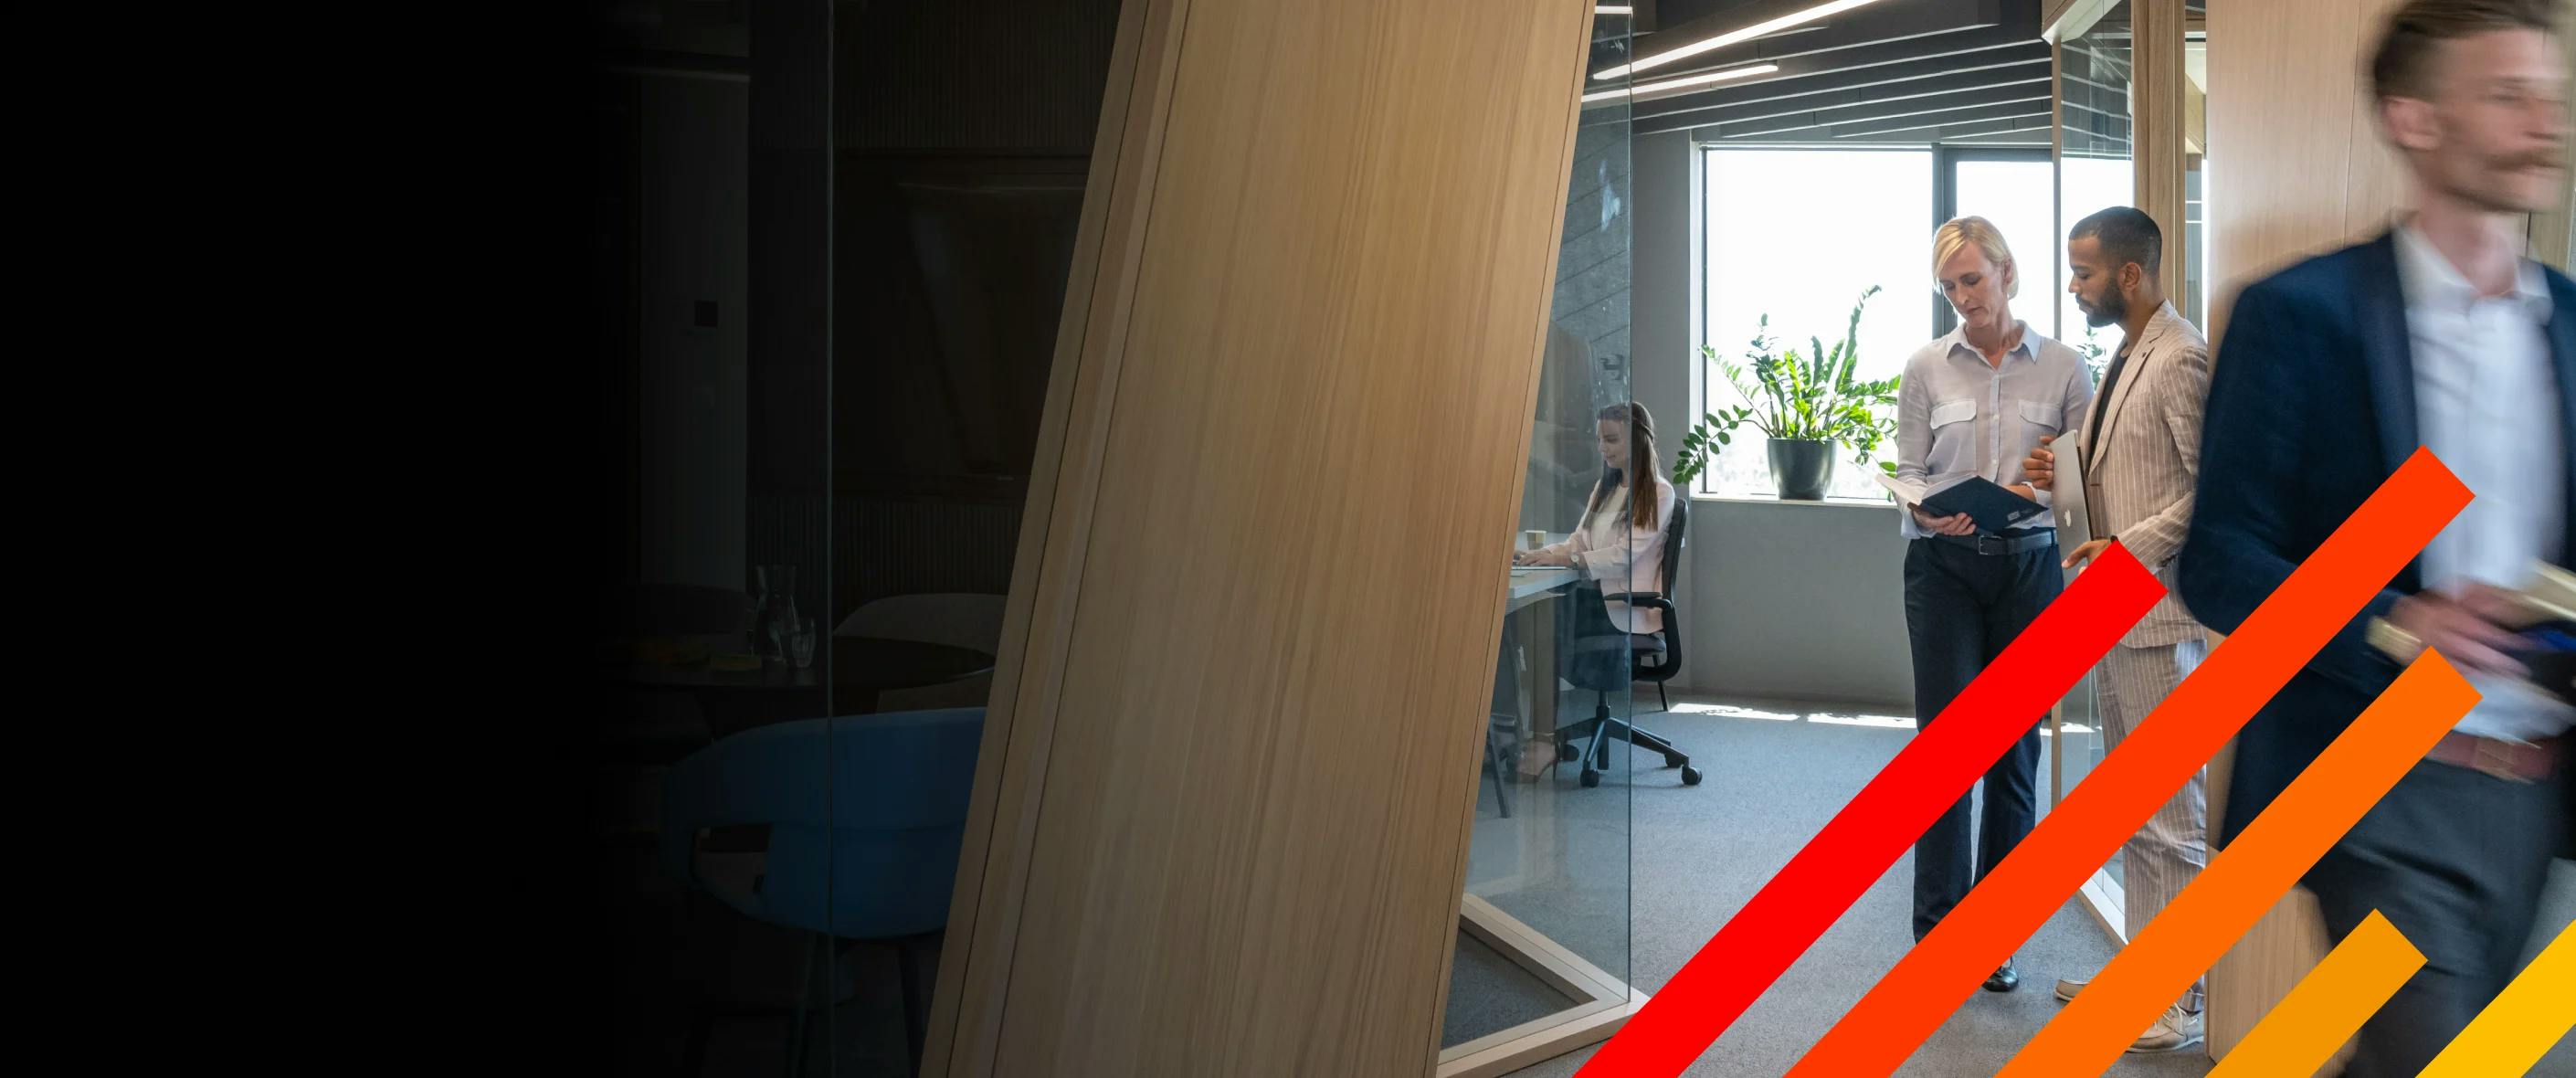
[(2513, 761)]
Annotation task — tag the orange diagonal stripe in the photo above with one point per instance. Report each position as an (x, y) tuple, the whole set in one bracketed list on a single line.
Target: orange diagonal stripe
[(2317, 601), (2330, 1003), (2242, 882)]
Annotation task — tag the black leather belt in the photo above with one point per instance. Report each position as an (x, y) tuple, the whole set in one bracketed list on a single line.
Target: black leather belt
[(1992, 545)]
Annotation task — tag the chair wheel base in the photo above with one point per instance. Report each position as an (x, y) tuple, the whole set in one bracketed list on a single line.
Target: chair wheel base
[(1675, 759), (1591, 778), (1690, 775), (1566, 751)]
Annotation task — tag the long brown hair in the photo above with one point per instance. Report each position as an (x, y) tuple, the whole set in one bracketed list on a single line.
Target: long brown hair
[(1641, 461)]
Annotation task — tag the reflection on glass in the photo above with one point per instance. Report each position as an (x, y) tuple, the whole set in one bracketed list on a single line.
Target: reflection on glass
[(800, 648), (1798, 235), (1548, 858), (2076, 745), (2094, 172), (2093, 167), (2194, 295), (701, 249), (830, 281), (774, 617)]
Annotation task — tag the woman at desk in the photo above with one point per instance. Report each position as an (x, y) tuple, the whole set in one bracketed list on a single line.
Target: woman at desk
[(1977, 401), (1621, 539)]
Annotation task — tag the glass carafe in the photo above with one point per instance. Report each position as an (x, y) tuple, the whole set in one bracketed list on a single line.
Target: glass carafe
[(774, 620)]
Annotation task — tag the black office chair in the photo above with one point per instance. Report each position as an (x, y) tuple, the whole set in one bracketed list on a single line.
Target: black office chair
[(1502, 722), (1615, 661)]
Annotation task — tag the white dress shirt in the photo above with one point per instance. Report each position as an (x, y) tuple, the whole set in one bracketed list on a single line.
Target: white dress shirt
[(2486, 404), (1610, 549)]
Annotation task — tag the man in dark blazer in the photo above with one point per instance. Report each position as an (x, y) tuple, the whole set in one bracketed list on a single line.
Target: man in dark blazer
[(2332, 373)]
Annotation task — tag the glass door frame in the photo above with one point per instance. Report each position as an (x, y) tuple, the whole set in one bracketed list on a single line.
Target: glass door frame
[(1599, 991), (2103, 894)]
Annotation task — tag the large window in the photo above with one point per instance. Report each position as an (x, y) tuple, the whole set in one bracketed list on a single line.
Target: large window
[(2013, 193), (1799, 234), (2094, 169), (2091, 183)]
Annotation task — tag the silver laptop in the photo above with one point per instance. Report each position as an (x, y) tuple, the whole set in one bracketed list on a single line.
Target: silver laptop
[(2066, 500)]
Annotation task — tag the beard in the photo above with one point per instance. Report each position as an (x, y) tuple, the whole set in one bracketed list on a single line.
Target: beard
[(2494, 188), (2113, 308)]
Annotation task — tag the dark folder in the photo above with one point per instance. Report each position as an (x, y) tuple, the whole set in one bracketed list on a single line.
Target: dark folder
[(2551, 655), (2548, 646), (1990, 505)]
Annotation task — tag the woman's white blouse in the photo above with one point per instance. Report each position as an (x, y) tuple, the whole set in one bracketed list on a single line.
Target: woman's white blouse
[(1609, 549)]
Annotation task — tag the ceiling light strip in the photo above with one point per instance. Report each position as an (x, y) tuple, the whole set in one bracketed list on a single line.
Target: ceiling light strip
[(1760, 29)]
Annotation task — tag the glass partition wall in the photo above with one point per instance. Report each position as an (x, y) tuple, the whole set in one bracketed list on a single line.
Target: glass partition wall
[(2094, 160), (1541, 964), (2094, 170), (2193, 298), (832, 257), (713, 230)]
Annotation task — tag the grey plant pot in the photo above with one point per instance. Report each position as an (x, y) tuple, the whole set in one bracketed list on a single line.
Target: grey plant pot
[(1802, 468)]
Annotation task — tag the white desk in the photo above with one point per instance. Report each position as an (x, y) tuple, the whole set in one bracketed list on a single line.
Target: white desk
[(1527, 586), (1525, 596)]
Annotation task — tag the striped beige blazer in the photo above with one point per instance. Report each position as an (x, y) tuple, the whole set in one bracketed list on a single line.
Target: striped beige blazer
[(2141, 468)]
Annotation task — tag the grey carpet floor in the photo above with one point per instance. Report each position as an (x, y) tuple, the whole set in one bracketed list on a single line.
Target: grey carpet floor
[(1500, 992), (1563, 865)]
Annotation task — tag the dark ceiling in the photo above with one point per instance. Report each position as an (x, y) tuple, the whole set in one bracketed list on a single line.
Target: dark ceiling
[(1971, 72)]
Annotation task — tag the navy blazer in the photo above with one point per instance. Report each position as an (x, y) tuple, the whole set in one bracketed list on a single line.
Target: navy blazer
[(2311, 408)]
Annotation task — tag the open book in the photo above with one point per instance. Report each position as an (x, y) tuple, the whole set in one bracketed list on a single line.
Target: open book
[(1989, 504)]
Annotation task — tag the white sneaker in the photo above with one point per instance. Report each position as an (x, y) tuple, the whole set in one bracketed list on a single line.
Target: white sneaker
[(2068, 986), (2176, 1030)]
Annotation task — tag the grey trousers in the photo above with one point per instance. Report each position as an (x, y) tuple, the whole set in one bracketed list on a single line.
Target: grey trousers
[(2456, 860), (2173, 847)]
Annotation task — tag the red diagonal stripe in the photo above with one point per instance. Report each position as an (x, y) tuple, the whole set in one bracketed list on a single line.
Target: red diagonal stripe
[(2318, 599), (1878, 825)]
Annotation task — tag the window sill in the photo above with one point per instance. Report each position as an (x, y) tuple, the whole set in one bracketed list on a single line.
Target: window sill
[(1834, 503)]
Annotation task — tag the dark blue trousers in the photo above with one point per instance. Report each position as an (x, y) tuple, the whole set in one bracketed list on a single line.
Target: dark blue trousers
[(1961, 608)]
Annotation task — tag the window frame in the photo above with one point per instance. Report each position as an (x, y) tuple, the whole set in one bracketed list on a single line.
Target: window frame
[(1945, 205), (1944, 202)]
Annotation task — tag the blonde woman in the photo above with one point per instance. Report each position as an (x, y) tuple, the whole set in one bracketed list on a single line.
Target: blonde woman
[(1977, 401)]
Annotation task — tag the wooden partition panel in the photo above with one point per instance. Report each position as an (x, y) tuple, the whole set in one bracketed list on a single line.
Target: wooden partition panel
[(2298, 169), (1220, 822), (2298, 166), (2158, 111), (2553, 233)]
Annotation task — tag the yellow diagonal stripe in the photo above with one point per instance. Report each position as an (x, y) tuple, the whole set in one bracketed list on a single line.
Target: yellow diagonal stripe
[(2302, 1033), (2517, 1029)]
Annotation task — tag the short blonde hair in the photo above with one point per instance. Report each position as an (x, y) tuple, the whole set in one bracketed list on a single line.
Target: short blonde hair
[(1963, 231)]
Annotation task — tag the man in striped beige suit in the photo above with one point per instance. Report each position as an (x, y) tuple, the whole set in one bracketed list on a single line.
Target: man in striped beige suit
[(2141, 461)]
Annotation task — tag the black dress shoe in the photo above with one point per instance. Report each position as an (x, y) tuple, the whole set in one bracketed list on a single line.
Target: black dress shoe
[(2005, 978)]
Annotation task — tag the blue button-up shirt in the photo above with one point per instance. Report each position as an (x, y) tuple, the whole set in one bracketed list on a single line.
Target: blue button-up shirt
[(1955, 413)]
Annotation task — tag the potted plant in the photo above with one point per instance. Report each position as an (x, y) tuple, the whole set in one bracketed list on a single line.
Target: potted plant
[(2092, 351), (1806, 406)]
